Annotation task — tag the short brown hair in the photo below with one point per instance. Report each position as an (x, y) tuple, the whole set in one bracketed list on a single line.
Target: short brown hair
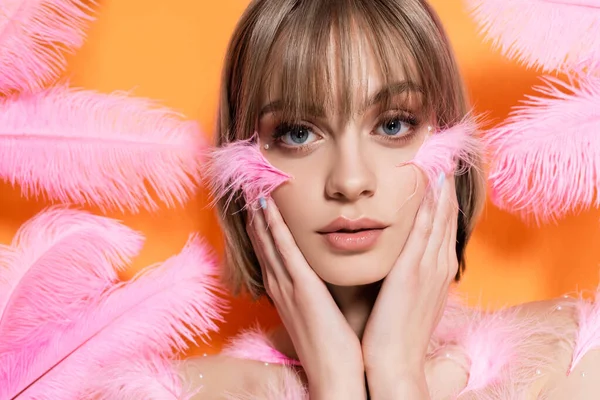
[(289, 39)]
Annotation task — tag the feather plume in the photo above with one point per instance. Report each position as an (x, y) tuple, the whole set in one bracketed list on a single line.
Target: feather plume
[(254, 344), (545, 158), (444, 150), (240, 167), (57, 261), (141, 378), (112, 151), (151, 315), (34, 36), (549, 34), (587, 337), (502, 347)]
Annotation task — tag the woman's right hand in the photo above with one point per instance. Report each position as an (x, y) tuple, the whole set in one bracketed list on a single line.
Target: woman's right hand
[(330, 352)]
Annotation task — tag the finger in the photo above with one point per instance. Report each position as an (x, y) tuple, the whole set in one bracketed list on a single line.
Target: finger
[(452, 256), (440, 224), (444, 263), (415, 245), (256, 244), (270, 254), (284, 242)]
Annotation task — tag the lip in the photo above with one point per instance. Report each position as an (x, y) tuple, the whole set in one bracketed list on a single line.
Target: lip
[(346, 235)]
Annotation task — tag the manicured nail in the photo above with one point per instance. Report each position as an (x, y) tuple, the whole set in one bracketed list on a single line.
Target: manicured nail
[(441, 179), (263, 203)]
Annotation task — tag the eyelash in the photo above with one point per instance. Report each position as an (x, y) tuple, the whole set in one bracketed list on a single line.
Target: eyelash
[(401, 115)]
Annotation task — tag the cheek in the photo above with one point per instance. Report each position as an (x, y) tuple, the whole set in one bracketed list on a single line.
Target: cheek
[(299, 204)]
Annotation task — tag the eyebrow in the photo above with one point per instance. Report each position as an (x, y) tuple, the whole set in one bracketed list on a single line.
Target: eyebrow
[(384, 93)]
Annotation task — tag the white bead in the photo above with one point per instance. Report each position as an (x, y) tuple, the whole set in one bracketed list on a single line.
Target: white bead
[(201, 376), (429, 128), (538, 371), (204, 355), (266, 146), (566, 296), (267, 364), (448, 355), (559, 308), (583, 374)]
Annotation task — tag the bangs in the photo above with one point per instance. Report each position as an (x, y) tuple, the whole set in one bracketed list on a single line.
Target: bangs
[(317, 64)]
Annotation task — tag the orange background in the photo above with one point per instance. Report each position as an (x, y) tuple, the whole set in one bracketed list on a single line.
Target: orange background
[(172, 51)]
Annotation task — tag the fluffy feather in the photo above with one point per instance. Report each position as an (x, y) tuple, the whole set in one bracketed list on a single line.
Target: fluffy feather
[(550, 34), (240, 167), (141, 378), (34, 35), (58, 261), (254, 344), (154, 314), (90, 148), (496, 346), (587, 337), (545, 158), (442, 150)]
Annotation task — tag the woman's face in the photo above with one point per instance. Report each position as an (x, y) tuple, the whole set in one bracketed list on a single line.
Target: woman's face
[(349, 206)]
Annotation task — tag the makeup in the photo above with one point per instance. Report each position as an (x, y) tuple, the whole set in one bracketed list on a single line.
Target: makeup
[(352, 236)]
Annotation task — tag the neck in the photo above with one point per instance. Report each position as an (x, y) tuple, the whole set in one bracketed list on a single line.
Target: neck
[(355, 303)]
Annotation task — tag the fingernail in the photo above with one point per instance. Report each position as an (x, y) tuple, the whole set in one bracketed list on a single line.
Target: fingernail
[(263, 203), (441, 179)]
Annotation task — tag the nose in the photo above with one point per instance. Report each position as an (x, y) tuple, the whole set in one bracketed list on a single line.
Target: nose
[(350, 177)]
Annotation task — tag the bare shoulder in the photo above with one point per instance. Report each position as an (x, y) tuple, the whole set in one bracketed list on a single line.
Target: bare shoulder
[(220, 377), (559, 326)]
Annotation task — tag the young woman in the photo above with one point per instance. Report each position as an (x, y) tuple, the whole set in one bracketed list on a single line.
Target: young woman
[(358, 249)]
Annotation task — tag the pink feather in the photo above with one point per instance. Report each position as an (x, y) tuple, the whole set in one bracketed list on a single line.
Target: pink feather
[(550, 34), (57, 261), (254, 344), (442, 150), (588, 332), (240, 167), (493, 343), (545, 158), (154, 314), (149, 379), (34, 35), (90, 148)]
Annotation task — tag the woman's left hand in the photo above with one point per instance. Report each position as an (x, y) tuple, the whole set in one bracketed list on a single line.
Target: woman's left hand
[(412, 300)]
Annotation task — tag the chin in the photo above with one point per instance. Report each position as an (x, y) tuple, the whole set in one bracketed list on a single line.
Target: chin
[(353, 270)]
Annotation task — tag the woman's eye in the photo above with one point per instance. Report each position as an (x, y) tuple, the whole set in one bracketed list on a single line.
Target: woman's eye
[(297, 135), (393, 127)]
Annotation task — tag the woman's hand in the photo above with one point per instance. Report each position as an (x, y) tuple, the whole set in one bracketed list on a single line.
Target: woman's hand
[(412, 300), (328, 349)]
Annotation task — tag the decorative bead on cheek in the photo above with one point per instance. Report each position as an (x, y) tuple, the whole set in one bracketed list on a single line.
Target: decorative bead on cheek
[(559, 308), (201, 376), (267, 364), (429, 129), (583, 374), (266, 146), (538, 371)]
